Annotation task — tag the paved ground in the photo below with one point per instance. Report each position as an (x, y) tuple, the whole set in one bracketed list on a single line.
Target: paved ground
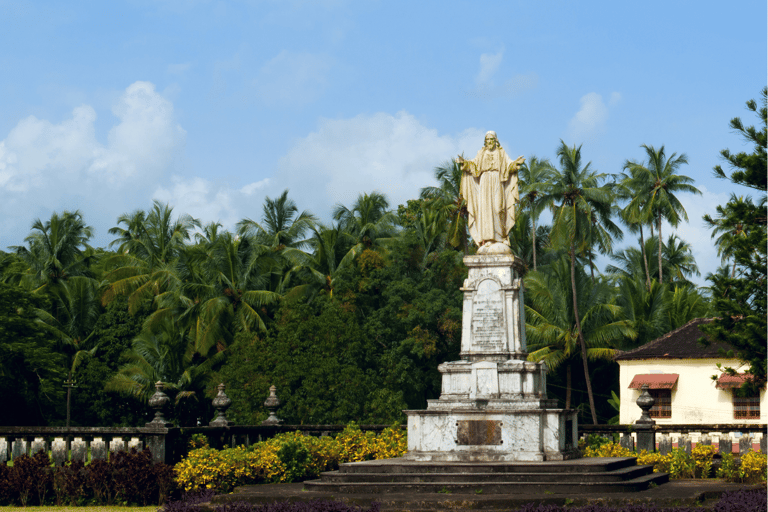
[(674, 493)]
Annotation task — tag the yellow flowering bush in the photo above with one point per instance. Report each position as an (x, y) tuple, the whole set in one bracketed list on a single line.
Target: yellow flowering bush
[(284, 458), (608, 450), (702, 458), (660, 462), (753, 467)]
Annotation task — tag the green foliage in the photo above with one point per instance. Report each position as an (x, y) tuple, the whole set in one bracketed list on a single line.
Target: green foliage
[(740, 298), (284, 458)]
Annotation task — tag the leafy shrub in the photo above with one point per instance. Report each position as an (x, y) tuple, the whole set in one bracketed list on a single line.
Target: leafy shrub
[(749, 468), (660, 462), (286, 457), (69, 483), (702, 456), (608, 449)]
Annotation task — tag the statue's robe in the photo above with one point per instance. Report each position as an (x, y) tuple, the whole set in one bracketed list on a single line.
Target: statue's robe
[(489, 185)]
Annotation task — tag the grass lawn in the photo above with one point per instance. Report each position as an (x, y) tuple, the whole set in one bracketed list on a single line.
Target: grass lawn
[(113, 508)]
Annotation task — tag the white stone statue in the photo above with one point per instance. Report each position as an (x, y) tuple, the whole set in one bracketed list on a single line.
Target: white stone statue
[(489, 186)]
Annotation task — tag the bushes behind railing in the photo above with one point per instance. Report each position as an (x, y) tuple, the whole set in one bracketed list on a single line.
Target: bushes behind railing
[(127, 478), (287, 457)]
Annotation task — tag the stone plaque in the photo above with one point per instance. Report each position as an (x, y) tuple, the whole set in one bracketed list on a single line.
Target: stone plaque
[(488, 316), (478, 432)]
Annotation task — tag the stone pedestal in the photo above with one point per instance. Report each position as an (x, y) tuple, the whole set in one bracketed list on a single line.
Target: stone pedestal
[(493, 405)]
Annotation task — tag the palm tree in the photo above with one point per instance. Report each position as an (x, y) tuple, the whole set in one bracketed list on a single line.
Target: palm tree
[(646, 309), (74, 322), (659, 200), (584, 211), (729, 227), (57, 250), (280, 226), (679, 259), (554, 331), (685, 304), (449, 201), (369, 222), (149, 248), (535, 178), (629, 187)]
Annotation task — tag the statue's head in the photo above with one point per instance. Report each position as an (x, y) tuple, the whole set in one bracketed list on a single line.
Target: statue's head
[(490, 140)]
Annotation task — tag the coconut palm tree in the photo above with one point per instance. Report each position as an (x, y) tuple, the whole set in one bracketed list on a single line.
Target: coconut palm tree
[(659, 202), (581, 214), (369, 222), (149, 248), (535, 178), (553, 330), (448, 196)]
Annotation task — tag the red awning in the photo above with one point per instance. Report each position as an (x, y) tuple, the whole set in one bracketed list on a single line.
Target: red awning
[(654, 380), (731, 381)]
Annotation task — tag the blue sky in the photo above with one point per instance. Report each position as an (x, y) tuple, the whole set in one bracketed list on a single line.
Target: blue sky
[(211, 106)]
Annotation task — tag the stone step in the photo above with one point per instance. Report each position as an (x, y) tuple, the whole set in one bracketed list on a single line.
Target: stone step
[(618, 475), (400, 465), (489, 487)]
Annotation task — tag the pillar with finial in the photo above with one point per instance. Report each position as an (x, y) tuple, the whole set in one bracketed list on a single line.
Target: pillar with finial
[(272, 403), (221, 403), (159, 401), (646, 435)]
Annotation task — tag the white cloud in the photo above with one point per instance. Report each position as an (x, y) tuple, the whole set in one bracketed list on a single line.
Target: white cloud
[(485, 84), (293, 78), (591, 117), (489, 64), (46, 166), (394, 155)]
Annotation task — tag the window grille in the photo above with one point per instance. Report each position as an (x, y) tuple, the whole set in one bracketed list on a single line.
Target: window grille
[(746, 407), (663, 406)]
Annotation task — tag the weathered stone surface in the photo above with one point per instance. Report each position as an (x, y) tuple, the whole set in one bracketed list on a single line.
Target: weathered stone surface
[(59, 451), (665, 444), (135, 442), (627, 441), (706, 440), (646, 437), (686, 444), (745, 443), (493, 405), (763, 444), (3, 450), (479, 432), (98, 449), (117, 445), (79, 449), (38, 445), (725, 444), (19, 448)]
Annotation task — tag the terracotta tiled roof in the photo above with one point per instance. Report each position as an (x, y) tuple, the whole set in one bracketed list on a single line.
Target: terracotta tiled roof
[(682, 343), (654, 380)]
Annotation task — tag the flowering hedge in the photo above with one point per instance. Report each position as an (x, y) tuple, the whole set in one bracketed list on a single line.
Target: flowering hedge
[(748, 468), (286, 457)]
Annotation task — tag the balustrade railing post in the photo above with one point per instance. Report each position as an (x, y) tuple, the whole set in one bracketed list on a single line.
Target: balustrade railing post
[(157, 441), (646, 435)]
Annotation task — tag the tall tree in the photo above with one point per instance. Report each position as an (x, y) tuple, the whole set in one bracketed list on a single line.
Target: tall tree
[(535, 176), (660, 201), (551, 322), (449, 201), (369, 221), (741, 300), (583, 204)]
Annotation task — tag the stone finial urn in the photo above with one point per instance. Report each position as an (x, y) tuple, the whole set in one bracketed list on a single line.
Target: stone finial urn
[(645, 401), (221, 403), (159, 401), (272, 403)]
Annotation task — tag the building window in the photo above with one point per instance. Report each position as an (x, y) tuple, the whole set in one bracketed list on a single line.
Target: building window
[(663, 406), (745, 407)]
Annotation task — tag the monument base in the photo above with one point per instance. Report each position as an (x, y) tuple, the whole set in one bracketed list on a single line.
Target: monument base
[(493, 406)]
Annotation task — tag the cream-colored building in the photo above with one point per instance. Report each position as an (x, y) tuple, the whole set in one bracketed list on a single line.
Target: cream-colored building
[(678, 371)]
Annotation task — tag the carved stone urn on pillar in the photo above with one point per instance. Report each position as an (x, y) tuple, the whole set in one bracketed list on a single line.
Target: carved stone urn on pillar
[(159, 401), (221, 403), (272, 403), (646, 435)]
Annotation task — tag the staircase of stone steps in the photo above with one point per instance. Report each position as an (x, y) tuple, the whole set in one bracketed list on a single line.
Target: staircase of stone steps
[(580, 476)]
